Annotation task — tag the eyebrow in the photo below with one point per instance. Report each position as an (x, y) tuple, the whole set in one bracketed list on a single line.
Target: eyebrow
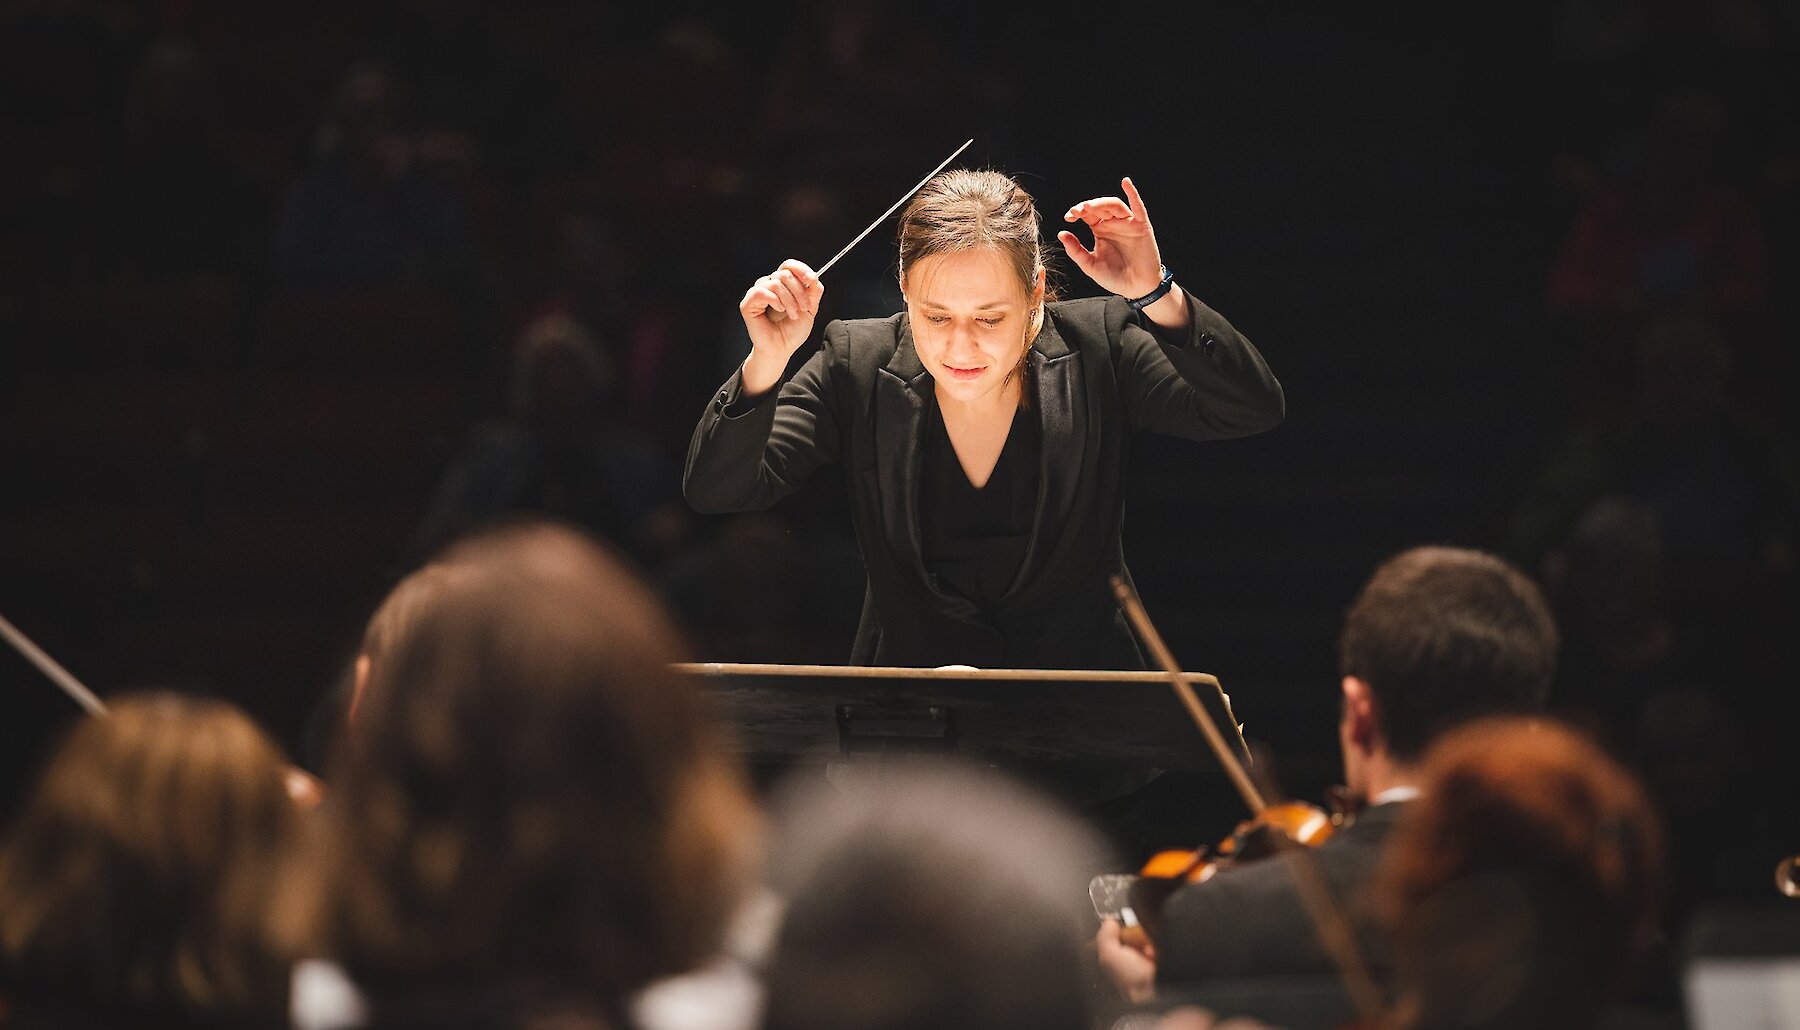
[(989, 306)]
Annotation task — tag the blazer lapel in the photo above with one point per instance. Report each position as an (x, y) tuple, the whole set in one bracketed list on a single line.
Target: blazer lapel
[(1061, 407)]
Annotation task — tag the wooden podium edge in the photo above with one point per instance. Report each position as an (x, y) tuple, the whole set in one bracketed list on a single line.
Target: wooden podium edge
[(876, 672)]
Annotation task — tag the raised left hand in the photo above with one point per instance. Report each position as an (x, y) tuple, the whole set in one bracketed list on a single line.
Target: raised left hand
[(1124, 259)]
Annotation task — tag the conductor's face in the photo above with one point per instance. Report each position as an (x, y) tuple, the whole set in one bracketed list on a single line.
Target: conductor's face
[(970, 318)]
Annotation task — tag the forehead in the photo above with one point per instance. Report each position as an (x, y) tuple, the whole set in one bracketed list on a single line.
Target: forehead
[(963, 279)]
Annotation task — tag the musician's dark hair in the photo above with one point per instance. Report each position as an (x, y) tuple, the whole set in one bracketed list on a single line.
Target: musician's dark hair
[(530, 792), (137, 880), (1443, 635)]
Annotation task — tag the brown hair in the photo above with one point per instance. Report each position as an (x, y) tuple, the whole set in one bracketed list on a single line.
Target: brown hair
[(139, 874), (393, 621), (1532, 866), (530, 791), (964, 209), (1444, 635)]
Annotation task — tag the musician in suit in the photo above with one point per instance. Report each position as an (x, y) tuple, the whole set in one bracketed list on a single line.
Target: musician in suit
[(1437, 638), (982, 432)]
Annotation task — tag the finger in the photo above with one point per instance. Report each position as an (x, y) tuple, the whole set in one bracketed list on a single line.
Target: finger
[(1108, 937), (1187, 1017), (767, 283), (1100, 209), (1078, 253), (784, 288), (1135, 198), (801, 269), (805, 294), (758, 300)]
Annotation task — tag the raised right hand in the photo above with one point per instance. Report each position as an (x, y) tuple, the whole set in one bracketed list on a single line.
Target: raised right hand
[(778, 311)]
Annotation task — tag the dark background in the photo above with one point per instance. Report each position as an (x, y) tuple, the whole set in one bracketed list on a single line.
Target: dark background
[(1527, 273)]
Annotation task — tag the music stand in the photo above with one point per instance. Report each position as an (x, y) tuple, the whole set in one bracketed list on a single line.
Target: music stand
[(1068, 725)]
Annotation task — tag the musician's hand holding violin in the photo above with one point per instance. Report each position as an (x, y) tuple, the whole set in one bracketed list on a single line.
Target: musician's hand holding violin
[(1131, 969), (778, 311), (1125, 259), (1191, 1017)]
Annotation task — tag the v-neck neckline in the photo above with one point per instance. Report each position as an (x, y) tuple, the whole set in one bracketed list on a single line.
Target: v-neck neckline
[(1012, 432)]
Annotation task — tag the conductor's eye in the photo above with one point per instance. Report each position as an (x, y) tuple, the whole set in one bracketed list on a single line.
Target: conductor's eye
[(992, 322), (938, 319)]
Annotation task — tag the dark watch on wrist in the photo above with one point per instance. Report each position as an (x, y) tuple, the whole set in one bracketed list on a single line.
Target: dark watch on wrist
[(1161, 291)]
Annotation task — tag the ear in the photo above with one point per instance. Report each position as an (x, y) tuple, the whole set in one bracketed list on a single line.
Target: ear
[(359, 684), (1359, 721)]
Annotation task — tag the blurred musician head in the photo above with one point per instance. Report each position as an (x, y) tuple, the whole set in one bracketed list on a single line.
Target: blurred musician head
[(1522, 889), (530, 799), (135, 885)]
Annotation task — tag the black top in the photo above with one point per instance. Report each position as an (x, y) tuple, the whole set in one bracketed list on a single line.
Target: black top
[(974, 540)]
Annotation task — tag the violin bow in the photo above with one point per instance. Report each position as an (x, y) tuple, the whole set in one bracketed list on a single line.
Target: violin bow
[(1140, 620), (1321, 905), (51, 668), (301, 785)]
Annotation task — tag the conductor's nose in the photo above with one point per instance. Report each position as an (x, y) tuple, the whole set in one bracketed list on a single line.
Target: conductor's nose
[(961, 345)]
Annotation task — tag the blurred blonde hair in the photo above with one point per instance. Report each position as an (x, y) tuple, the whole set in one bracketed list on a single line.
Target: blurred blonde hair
[(140, 872)]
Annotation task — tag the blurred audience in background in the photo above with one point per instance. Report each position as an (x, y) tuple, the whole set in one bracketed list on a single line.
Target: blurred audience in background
[(181, 208), (137, 883), (1666, 535), (376, 207), (562, 450)]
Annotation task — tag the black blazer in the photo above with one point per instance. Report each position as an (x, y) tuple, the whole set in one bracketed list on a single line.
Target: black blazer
[(1096, 372), (1250, 921)]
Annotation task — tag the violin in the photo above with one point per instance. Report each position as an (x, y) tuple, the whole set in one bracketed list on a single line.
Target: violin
[(1271, 829), (1261, 836)]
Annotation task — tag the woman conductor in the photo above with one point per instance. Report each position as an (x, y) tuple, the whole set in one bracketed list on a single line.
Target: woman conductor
[(983, 430)]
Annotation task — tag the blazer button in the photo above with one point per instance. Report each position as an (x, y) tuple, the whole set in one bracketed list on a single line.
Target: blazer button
[(1208, 341)]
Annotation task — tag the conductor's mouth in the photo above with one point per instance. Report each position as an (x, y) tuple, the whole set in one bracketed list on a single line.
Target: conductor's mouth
[(965, 373)]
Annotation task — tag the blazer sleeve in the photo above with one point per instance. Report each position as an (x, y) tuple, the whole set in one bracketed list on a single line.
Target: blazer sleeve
[(1210, 385), (747, 454), (1243, 922)]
